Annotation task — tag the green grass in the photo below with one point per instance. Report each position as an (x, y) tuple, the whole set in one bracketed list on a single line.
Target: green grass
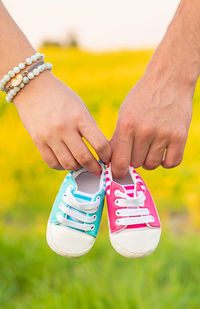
[(34, 277)]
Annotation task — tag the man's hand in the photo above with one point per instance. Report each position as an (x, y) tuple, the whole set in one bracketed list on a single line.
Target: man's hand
[(57, 119), (154, 118)]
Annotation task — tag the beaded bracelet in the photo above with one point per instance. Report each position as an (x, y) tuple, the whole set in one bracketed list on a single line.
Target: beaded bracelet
[(25, 80), (16, 70), (17, 82)]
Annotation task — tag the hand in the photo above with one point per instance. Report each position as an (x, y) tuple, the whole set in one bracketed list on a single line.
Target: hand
[(153, 123), (57, 119)]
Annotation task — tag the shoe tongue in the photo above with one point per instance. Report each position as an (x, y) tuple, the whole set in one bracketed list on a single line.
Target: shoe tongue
[(129, 190), (83, 197)]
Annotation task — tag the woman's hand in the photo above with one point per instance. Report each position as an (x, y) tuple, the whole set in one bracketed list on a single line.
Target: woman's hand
[(57, 119)]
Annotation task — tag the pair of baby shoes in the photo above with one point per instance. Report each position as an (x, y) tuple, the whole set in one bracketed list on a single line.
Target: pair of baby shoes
[(134, 225)]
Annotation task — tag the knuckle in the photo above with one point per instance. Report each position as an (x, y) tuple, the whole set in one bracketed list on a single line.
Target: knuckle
[(47, 136), (59, 126), (84, 158), (163, 134), (147, 131), (70, 166), (68, 162), (151, 165), (179, 136), (172, 163), (53, 164), (37, 139), (120, 168), (101, 146), (78, 118), (74, 166), (121, 164), (126, 126), (65, 162), (136, 164), (119, 173)]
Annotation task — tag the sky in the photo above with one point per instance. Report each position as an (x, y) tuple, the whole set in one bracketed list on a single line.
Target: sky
[(98, 24)]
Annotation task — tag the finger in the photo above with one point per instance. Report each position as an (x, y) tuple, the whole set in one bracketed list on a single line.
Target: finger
[(64, 156), (83, 155), (121, 145), (155, 154), (50, 158), (140, 150), (173, 156), (97, 140)]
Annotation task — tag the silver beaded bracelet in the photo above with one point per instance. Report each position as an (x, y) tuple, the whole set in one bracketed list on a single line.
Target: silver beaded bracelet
[(24, 80), (16, 70)]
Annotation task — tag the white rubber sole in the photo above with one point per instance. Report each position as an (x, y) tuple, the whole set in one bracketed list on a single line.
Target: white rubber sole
[(136, 243), (68, 242)]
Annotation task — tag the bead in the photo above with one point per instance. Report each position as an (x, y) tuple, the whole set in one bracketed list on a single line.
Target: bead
[(16, 89), (21, 65), (11, 74), (25, 80), (9, 99), (41, 68), (9, 95), (36, 72), (30, 75), (21, 85), (6, 78), (34, 58), (38, 55), (12, 92), (28, 61), (16, 70), (49, 66)]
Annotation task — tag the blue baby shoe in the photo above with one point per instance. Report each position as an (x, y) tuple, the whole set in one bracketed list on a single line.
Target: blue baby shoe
[(76, 214)]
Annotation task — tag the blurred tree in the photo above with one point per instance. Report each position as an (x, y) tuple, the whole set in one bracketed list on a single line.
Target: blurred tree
[(72, 40), (50, 42)]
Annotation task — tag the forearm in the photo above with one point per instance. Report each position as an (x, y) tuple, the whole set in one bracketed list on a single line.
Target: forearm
[(14, 47), (179, 51)]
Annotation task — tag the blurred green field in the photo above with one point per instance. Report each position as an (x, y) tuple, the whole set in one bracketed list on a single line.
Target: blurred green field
[(31, 276)]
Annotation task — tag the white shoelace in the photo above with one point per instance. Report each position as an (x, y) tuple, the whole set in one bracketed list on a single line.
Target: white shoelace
[(133, 211), (84, 222)]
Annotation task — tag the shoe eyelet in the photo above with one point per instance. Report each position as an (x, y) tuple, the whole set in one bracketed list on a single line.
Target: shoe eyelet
[(63, 196), (92, 227), (117, 213), (116, 192), (117, 222), (95, 217), (116, 202), (152, 219)]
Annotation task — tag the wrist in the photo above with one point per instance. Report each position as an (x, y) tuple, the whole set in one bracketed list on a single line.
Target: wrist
[(178, 53), (33, 88)]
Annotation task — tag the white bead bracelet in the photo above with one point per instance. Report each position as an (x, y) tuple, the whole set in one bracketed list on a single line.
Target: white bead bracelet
[(25, 80), (16, 70)]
